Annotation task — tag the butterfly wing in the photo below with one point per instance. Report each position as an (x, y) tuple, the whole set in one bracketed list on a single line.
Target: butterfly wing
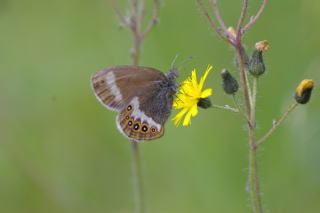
[(115, 86), (142, 95), (144, 117)]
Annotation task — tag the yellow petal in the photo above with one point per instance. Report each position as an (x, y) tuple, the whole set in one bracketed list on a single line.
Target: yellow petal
[(203, 78), (194, 79), (187, 119), (194, 110), (206, 93), (179, 116)]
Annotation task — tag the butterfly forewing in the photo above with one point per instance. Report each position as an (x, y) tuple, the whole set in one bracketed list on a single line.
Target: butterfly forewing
[(115, 86)]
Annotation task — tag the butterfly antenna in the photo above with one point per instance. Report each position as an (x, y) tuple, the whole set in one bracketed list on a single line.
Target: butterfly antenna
[(185, 60), (174, 60), (175, 68)]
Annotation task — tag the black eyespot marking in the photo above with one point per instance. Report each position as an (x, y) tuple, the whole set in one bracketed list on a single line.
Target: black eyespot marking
[(144, 128), (102, 81), (127, 117), (129, 107), (153, 129), (136, 127), (130, 123)]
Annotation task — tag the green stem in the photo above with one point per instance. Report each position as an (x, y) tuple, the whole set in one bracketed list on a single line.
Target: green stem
[(137, 179), (253, 101), (226, 107), (276, 124), (253, 168), (253, 178)]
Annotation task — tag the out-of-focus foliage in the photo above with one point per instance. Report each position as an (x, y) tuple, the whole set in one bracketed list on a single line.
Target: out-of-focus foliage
[(60, 150)]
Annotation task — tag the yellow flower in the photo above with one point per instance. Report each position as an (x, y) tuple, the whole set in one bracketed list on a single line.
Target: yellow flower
[(190, 93)]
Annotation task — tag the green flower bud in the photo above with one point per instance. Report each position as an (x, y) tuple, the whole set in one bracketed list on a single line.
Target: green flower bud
[(229, 83), (256, 64), (204, 103)]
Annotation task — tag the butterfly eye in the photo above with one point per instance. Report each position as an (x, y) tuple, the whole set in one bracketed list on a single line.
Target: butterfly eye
[(136, 127), (129, 107), (130, 123), (144, 128)]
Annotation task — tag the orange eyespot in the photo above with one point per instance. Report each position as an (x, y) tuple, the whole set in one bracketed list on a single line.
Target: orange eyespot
[(136, 126), (144, 128), (129, 107)]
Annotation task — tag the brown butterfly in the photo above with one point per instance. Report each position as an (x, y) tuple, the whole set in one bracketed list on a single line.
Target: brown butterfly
[(143, 97)]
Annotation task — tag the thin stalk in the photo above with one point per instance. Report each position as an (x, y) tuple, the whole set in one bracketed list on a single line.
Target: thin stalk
[(243, 78), (226, 107), (255, 195), (253, 177), (137, 178), (255, 18), (253, 100), (240, 109), (276, 124)]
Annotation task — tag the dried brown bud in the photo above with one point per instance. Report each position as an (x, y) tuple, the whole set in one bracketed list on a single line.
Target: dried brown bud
[(262, 45)]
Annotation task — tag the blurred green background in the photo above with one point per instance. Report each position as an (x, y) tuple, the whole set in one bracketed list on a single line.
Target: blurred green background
[(60, 150)]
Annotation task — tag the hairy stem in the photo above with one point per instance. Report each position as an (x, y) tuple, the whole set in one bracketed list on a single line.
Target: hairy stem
[(253, 101), (137, 178), (243, 77), (255, 195)]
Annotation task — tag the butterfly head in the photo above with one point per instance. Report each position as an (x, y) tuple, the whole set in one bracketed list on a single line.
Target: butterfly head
[(171, 83)]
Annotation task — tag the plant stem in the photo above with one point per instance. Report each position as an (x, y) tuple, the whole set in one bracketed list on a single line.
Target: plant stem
[(253, 177), (226, 107), (276, 124), (253, 168), (255, 18), (253, 101), (137, 9), (137, 178)]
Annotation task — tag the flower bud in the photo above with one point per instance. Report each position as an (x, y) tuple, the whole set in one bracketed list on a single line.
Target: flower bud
[(229, 83), (204, 103), (232, 31), (256, 64), (303, 91)]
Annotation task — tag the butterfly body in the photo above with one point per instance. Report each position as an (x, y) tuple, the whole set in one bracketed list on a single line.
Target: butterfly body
[(143, 97)]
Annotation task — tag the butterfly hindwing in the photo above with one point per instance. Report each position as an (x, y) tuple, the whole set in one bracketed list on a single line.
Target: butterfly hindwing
[(135, 124)]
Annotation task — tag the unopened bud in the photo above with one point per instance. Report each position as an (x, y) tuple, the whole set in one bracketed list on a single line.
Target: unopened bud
[(232, 31), (256, 64), (204, 103), (303, 91), (229, 83)]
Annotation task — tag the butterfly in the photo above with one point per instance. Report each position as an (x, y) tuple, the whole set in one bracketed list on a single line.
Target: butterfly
[(143, 97)]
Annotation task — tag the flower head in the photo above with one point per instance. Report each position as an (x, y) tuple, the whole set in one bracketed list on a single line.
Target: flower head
[(189, 96), (303, 91)]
